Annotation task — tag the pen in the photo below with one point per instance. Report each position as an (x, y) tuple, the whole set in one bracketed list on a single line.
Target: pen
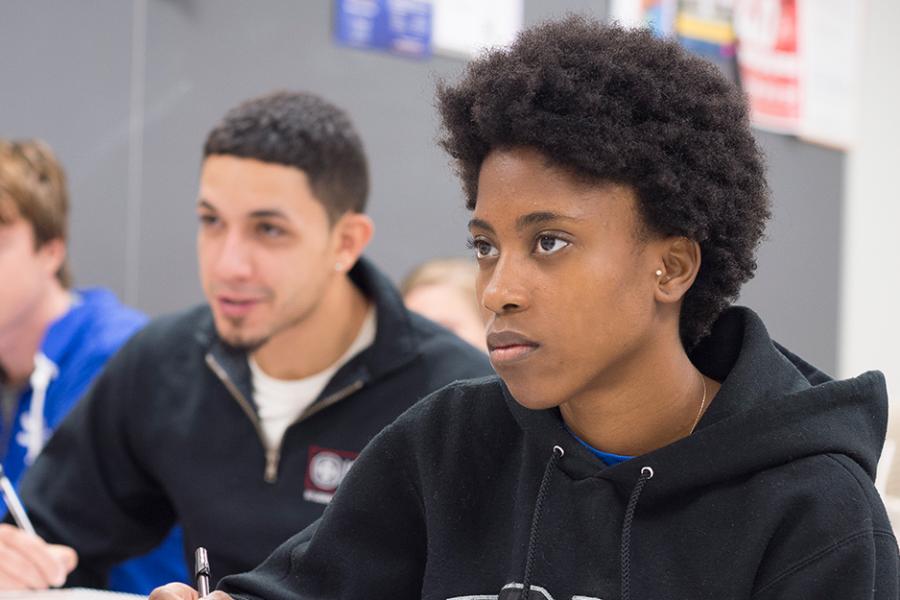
[(14, 504), (201, 571)]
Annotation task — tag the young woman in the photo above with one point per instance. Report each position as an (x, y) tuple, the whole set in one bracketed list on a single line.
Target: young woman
[(643, 439)]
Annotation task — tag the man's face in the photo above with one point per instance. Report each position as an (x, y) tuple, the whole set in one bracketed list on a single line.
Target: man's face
[(26, 272), (569, 285), (265, 248)]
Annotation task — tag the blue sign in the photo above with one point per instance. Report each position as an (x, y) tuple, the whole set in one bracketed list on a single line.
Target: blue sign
[(397, 26)]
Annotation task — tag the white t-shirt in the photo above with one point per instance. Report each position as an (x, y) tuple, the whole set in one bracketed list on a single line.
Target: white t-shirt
[(280, 402)]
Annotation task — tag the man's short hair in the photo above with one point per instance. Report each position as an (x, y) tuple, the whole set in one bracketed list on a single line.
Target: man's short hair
[(304, 131), (33, 188), (615, 105)]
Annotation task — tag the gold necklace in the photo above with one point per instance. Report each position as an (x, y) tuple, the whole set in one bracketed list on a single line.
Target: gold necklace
[(702, 404)]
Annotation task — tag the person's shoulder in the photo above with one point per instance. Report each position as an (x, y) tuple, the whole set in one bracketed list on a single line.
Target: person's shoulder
[(110, 323), (826, 494), (458, 407), (826, 505), (439, 347), (173, 334)]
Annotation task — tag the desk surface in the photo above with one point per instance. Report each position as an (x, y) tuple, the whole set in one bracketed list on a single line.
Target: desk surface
[(68, 594)]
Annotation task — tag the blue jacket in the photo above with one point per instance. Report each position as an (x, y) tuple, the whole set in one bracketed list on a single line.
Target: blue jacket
[(73, 352)]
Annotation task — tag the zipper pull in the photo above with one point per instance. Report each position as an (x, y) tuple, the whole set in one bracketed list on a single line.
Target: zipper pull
[(271, 474)]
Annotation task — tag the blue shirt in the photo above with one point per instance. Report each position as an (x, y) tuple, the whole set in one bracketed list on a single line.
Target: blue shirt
[(608, 458)]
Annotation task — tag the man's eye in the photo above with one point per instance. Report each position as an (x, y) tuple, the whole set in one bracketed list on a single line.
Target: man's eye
[(483, 248), (208, 219), (548, 244), (269, 230)]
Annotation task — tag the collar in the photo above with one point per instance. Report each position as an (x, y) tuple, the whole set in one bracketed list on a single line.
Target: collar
[(394, 344)]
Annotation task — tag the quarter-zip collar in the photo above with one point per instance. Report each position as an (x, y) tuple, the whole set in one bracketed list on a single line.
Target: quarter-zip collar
[(393, 347), (394, 344)]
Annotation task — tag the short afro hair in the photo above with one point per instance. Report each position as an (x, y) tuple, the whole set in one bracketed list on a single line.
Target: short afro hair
[(303, 131), (620, 105)]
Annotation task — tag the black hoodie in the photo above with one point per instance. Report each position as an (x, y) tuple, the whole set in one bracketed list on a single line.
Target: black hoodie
[(471, 496)]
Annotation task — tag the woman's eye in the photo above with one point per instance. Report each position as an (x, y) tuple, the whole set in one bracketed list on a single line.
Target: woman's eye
[(548, 244), (482, 248)]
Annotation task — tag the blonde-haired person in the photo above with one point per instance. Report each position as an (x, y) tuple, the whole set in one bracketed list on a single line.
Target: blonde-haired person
[(54, 340), (443, 290)]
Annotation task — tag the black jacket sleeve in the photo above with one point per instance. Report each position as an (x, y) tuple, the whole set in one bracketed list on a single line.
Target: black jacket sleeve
[(88, 490), (370, 542)]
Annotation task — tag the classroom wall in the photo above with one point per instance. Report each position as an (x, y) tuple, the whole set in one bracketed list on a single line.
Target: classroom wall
[(869, 327), (126, 92)]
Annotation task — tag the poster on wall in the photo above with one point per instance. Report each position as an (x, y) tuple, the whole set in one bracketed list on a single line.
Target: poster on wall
[(400, 27), (705, 27), (799, 63), (769, 62), (463, 28)]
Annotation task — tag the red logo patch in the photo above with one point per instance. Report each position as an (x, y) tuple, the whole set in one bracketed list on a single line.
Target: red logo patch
[(325, 470)]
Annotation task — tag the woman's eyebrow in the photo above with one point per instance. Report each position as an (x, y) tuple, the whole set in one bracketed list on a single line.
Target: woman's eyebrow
[(534, 218), (480, 224)]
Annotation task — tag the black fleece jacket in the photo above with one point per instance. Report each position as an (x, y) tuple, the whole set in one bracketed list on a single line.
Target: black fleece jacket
[(170, 434), (471, 496)]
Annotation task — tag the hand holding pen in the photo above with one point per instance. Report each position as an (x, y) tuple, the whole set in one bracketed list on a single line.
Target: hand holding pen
[(180, 591), (28, 561), (14, 504)]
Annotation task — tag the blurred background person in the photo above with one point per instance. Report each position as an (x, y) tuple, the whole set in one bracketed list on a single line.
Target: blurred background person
[(54, 339), (443, 290)]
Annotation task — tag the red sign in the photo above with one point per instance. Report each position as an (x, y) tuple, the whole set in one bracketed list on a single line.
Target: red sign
[(769, 62)]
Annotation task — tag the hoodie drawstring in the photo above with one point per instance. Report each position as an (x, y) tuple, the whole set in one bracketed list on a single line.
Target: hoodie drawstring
[(646, 474), (558, 453), (45, 371)]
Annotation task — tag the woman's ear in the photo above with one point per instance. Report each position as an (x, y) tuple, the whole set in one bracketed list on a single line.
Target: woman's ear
[(351, 233), (680, 259)]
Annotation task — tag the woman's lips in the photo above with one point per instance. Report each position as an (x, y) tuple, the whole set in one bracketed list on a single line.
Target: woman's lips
[(509, 346)]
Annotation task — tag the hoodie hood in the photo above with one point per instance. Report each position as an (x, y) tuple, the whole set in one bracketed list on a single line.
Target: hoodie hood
[(771, 409)]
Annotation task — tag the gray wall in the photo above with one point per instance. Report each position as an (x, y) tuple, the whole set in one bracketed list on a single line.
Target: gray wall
[(126, 92)]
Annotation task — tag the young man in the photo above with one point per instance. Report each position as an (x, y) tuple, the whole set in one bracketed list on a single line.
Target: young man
[(643, 440), (54, 340), (239, 419)]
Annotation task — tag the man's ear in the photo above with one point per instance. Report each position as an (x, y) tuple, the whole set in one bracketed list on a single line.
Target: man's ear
[(53, 255), (680, 258), (352, 234)]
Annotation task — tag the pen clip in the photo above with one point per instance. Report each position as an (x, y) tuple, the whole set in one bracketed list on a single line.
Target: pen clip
[(201, 562)]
